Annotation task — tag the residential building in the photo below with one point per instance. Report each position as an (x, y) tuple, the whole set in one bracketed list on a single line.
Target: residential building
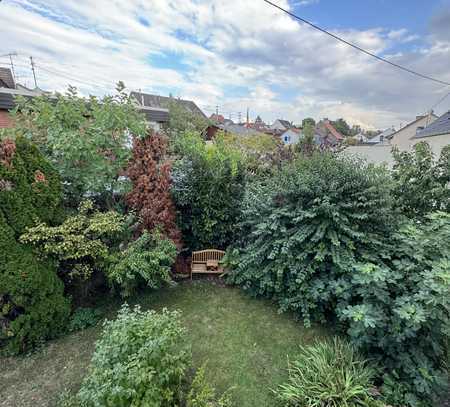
[(156, 107), (217, 118), (280, 125), (403, 138), (437, 134), (382, 138), (327, 134), (291, 136), (8, 92)]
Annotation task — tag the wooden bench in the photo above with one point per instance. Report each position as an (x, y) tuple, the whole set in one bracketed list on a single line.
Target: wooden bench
[(207, 262)]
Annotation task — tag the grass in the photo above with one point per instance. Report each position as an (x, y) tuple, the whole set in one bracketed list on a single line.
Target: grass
[(244, 340)]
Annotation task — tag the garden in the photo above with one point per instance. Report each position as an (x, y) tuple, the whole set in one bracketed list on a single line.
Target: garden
[(337, 282)]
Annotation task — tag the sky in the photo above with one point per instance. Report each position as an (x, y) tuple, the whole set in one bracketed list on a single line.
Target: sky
[(239, 54)]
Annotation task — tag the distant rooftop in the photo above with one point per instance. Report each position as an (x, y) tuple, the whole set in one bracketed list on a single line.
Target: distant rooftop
[(157, 101), (437, 128), (6, 79)]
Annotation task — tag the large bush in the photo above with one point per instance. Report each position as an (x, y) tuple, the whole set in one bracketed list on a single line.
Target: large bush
[(208, 187), (328, 374), (80, 243), (322, 239), (32, 305), (397, 309), (146, 260), (85, 139), (422, 180), (140, 360), (303, 230)]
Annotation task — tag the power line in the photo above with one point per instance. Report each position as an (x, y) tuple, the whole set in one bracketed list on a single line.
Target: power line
[(423, 76)]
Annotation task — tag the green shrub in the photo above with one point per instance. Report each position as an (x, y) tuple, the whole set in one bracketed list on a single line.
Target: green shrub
[(146, 260), (140, 360), (80, 243), (322, 240), (208, 186), (421, 181), (304, 228), (328, 374), (83, 318), (84, 138), (397, 309), (32, 305), (202, 394)]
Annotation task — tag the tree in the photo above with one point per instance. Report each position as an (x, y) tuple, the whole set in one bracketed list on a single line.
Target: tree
[(307, 144), (208, 188), (85, 139), (308, 120), (342, 127), (32, 303), (149, 172), (182, 120)]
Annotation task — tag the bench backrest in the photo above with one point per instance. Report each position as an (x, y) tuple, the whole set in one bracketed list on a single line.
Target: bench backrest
[(203, 256)]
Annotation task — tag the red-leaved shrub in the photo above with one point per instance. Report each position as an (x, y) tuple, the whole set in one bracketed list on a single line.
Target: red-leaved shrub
[(149, 171)]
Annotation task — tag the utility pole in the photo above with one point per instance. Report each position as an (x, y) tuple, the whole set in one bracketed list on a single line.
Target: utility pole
[(217, 111), (34, 73), (239, 117)]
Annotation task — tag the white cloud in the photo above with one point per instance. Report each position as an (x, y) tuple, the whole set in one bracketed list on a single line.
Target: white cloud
[(288, 69)]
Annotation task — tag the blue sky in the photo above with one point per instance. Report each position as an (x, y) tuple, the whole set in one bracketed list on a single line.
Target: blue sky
[(239, 54)]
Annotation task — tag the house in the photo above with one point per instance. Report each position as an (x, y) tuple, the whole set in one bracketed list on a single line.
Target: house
[(156, 108), (280, 125), (8, 92), (402, 138), (437, 134), (291, 136), (7, 79), (382, 138), (217, 118), (327, 134)]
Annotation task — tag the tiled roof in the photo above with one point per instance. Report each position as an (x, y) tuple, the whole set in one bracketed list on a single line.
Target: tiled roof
[(6, 78), (158, 101), (285, 123), (438, 127), (333, 131)]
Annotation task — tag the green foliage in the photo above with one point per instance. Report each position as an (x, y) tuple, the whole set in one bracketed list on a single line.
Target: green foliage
[(397, 309), (30, 188), (202, 394), (208, 186), (260, 152), (342, 127), (85, 139), (182, 121), (322, 240), (308, 121), (140, 360), (80, 243), (83, 318), (303, 229), (421, 182), (147, 259), (328, 374), (307, 144), (32, 305)]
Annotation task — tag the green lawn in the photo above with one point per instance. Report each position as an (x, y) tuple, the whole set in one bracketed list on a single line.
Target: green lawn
[(244, 340)]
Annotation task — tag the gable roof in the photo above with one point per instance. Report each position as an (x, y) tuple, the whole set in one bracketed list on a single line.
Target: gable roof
[(162, 102), (418, 118), (437, 128), (8, 95), (285, 123), (6, 79), (333, 131)]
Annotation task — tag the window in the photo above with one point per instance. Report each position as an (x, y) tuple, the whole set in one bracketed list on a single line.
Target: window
[(287, 139)]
